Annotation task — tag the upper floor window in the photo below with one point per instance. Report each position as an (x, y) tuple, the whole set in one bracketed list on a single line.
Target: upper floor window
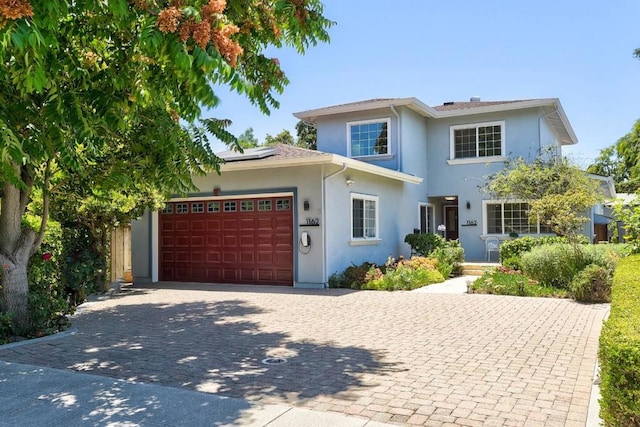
[(368, 138), (477, 141), (511, 217)]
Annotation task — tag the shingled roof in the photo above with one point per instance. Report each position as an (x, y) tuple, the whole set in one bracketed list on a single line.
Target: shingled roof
[(449, 106)]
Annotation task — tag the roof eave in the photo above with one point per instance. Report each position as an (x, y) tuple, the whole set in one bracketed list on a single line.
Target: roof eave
[(413, 103), (326, 158)]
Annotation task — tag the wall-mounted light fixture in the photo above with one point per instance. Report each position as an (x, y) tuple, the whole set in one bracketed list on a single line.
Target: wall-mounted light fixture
[(349, 182), (468, 204), (306, 205), (216, 191)]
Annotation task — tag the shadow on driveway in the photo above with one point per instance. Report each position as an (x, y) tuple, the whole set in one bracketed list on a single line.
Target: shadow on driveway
[(209, 347)]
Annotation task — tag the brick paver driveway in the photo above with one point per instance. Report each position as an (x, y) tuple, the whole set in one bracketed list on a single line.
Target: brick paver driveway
[(402, 357)]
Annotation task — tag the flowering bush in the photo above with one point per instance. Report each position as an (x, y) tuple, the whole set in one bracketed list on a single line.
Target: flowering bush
[(393, 275)]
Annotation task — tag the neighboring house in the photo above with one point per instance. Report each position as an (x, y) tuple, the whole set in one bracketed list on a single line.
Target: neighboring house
[(384, 168), (604, 218)]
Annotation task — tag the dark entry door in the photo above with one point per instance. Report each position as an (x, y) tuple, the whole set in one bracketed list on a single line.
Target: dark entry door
[(451, 221)]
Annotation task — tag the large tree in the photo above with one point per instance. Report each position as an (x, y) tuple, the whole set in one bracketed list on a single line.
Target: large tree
[(559, 193), (84, 77), (621, 161)]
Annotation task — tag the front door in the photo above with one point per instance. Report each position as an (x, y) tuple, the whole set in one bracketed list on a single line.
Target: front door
[(451, 222)]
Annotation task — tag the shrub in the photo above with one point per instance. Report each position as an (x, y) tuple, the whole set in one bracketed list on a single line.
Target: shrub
[(593, 284), (47, 298), (505, 281), (449, 257), (336, 280), (352, 277), (407, 275), (511, 251), (6, 330), (422, 244), (557, 264), (619, 351), (551, 265), (82, 265)]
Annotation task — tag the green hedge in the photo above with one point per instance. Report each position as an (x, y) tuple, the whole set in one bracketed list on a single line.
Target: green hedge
[(620, 349)]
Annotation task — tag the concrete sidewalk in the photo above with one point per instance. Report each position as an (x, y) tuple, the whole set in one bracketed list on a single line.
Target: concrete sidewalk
[(38, 396)]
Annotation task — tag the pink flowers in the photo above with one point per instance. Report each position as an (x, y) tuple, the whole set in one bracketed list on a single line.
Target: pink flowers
[(46, 256)]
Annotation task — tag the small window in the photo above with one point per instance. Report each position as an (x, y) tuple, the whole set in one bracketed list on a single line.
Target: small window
[(246, 206), (264, 205), (426, 218), (168, 209), (283, 205), (213, 207), (230, 206), (368, 138), (182, 208), (197, 207), (364, 217)]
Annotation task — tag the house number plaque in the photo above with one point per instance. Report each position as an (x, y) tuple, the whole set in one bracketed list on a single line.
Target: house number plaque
[(311, 222)]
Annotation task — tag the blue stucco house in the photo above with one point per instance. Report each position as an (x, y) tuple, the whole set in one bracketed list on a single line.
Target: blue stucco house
[(383, 168)]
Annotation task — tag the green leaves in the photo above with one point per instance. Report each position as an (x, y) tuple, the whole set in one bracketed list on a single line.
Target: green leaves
[(558, 193)]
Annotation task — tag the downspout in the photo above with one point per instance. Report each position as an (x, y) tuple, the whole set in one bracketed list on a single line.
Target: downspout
[(398, 133), (324, 220)]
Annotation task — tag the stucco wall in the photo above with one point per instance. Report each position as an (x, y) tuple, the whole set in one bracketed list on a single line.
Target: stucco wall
[(525, 133), (332, 135), (303, 182), (396, 220)]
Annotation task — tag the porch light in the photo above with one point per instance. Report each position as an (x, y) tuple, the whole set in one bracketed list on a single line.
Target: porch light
[(450, 198)]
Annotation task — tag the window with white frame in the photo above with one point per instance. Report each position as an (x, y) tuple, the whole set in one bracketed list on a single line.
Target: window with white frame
[(364, 217), (511, 217), (474, 141), (426, 218), (368, 138)]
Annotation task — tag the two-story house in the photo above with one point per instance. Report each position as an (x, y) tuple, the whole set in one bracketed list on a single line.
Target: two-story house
[(384, 168)]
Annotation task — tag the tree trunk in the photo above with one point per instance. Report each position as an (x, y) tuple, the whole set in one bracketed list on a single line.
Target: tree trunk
[(16, 247), (15, 287)]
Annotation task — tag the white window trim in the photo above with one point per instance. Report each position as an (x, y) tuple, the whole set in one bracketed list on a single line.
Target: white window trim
[(355, 241), (485, 232), (433, 215), (386, 155), (468, 160)]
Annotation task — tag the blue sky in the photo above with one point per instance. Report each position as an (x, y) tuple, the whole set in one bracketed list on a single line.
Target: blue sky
[(438, 51)]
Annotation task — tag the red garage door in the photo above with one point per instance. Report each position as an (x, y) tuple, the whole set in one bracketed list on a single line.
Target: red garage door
[(228, 241)]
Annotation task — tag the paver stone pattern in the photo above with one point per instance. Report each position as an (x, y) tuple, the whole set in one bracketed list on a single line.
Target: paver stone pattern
[(402, 357)]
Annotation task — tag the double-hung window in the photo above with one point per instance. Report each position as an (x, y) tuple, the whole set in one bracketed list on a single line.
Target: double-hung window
[(477, 142), (368, 138), (511, 217), (364, 217)]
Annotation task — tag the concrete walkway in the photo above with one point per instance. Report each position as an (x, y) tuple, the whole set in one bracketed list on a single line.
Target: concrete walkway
[(39, 396), (455, 285)]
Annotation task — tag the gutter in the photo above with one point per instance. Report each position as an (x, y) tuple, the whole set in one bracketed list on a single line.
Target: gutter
[(398, 134), (325, 278)]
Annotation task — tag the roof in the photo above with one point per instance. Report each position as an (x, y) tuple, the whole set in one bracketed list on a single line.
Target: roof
[(283, 155), (279, 151), (448, 106), (550, 109), (606, 185)]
